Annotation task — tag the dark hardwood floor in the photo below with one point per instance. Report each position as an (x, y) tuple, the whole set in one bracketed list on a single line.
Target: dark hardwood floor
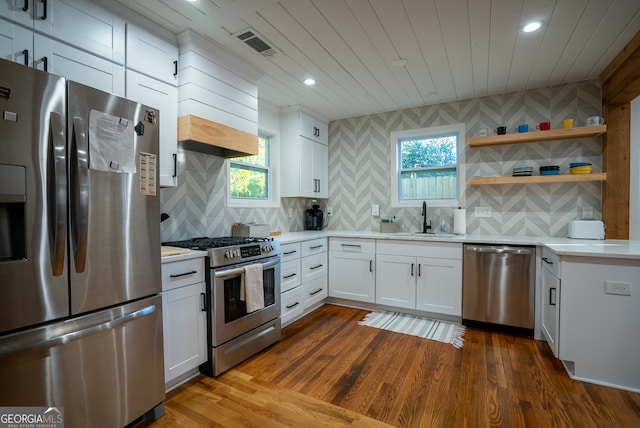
[(329, 371)]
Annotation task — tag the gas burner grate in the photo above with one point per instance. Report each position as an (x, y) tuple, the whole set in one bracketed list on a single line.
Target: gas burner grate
[(205, 243)]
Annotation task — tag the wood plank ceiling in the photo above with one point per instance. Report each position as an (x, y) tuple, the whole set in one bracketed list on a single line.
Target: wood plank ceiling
[(455, 49)]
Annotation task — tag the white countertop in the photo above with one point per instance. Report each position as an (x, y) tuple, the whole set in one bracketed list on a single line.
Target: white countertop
[(192, 254), (562, 246)]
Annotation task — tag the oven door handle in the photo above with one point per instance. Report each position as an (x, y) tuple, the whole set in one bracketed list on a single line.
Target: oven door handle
[(240, 270)]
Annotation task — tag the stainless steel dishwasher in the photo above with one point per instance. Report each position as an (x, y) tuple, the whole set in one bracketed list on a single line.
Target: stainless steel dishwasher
[(499, 285)]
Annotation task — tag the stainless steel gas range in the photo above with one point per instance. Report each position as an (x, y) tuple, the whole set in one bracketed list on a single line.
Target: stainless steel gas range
[(235, 334)]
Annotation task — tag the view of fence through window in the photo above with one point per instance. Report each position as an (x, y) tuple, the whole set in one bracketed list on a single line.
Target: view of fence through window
[(249, 175), (428, 167)]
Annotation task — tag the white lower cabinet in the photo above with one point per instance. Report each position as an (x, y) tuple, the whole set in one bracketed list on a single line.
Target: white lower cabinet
[(292, 305), (315, 270), (351, 273), (185, 330), (396, 280), (184, 317), (303, 277), (550, 299), (419, 275)]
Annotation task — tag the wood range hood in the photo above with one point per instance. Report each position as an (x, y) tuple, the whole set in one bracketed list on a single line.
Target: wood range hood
[(205, 136)]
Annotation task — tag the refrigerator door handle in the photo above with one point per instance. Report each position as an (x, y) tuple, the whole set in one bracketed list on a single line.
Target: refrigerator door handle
[(57, 189), (79, 196), (38, 342)]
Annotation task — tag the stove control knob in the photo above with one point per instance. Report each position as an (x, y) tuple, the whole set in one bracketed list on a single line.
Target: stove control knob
[(227, 254), (236, 253)]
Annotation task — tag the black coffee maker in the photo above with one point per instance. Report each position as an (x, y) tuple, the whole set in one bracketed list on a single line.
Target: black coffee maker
[(315, 219)]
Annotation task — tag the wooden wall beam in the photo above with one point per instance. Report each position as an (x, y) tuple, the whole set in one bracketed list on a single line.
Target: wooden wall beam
[(616, 148), (620, 83)]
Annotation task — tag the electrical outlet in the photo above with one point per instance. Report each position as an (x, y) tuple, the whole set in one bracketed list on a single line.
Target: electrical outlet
[(482, 212), (375, 210), (290, 212), (617, 287), (329, 211)]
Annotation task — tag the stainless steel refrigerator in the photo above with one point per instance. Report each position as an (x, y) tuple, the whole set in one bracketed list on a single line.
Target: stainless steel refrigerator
[(80, 312)]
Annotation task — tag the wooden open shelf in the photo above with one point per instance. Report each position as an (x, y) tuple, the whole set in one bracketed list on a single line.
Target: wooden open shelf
[(562, 178), (538, 136)]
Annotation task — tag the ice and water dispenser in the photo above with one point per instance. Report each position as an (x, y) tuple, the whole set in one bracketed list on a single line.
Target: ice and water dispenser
[(13, 200)]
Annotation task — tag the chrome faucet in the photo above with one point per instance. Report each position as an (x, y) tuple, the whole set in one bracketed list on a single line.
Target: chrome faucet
[(426, 227)]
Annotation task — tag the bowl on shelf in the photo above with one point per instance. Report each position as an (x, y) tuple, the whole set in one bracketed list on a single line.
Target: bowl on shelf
[(522, 171), (549, 170), (580, 168)]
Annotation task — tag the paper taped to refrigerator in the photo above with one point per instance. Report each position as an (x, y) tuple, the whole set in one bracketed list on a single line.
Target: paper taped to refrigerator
[(111, 143), (147, 176)]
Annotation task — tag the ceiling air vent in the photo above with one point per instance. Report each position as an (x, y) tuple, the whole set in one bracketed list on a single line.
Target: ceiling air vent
[(256, 42)]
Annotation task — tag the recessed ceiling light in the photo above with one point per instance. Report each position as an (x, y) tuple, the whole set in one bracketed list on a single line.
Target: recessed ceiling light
[(400, 62), (532, 26), (309, 81)]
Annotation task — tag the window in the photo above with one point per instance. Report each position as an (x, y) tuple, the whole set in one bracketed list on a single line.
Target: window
[(427, 165), (250, 177)]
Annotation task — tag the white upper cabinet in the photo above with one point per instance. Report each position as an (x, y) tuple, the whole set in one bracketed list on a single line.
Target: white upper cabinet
[(16, 43), (304, 156), (79, 23), (313, 128), (162, 96), (152, 79), (153, 56), (74, 64)]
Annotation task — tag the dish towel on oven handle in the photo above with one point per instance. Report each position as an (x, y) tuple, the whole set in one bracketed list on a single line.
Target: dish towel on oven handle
[(251, 289)]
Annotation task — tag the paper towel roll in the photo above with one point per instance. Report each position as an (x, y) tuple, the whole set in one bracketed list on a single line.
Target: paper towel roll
[(459, 221)]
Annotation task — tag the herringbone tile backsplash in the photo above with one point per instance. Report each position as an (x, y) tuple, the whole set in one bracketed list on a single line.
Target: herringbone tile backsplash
[(360, 171)]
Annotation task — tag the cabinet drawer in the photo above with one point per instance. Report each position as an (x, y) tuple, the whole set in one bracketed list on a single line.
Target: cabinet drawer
[(290, 275), (314, 246), (289, 251), (438, 250), (315, 291), (314, 266), (551, 261), (292, 305), (352, 245), (181, 273)]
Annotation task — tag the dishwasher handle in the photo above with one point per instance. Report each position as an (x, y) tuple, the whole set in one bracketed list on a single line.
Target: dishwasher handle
[(499, 250)]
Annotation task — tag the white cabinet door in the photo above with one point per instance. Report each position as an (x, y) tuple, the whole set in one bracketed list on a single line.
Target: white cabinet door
[(352, 276), (84, 25), (304, 156), (313, 128), (164, 97), (439, 286), (185, 332), (24, 11), (320, 165), (16, 43), (305, 165), (396, 280), (550, 309), (77, 65), (151, 55)]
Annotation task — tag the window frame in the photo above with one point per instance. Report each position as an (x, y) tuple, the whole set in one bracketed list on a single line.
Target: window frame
[(273, 194), (395, 157)]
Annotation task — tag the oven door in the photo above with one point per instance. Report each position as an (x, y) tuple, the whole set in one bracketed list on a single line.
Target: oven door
[(230, 317)]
